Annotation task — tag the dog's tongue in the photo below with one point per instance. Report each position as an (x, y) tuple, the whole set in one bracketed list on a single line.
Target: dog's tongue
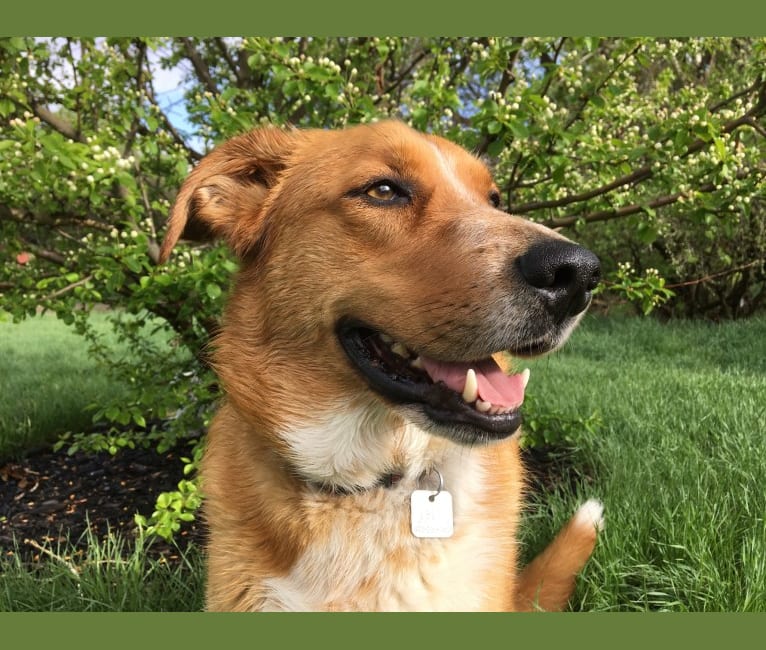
[(494, 385)]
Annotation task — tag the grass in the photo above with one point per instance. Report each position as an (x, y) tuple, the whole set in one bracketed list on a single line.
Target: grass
[(108, 577), (47, 380), (679, 462)]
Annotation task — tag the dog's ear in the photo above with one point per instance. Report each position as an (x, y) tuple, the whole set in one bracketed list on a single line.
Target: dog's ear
[(224, 195)]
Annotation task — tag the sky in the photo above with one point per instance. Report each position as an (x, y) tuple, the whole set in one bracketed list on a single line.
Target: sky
[(169, 90)]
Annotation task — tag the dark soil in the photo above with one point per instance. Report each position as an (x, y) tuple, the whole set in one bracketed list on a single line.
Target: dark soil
[(50, 497)]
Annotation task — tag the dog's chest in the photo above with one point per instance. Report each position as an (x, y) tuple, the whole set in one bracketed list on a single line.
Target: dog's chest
[(368, 559)]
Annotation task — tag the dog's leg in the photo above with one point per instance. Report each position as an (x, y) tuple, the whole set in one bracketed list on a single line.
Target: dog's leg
[(547, 582)]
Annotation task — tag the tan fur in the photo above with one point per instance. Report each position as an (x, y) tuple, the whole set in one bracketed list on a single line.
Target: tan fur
[(297, 414)]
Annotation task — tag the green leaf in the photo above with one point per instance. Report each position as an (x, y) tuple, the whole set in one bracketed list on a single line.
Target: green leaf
[(494, 127), (720, 148), (112, 412), (495, 148), (591, 43), (519, 130), (133, 264), (598, 101), (647, 233), (6, 107), (213, 290)]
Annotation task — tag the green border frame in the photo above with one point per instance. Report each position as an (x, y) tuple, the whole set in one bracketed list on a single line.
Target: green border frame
[(371, 631), (360, 17), (393, 17)]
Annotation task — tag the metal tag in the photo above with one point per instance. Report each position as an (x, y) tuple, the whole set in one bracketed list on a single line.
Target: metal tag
[(431, 513)]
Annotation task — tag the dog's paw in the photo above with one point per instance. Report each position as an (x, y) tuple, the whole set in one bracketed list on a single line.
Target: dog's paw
[(591, 513)]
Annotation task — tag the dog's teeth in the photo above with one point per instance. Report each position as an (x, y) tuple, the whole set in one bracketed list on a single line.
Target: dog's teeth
[(400, 349), (483, 406), (471, 390), (525, 376), (417, 363), (386, 338)]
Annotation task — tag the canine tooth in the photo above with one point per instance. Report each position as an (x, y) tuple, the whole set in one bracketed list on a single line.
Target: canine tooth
[(417, 363), (483, 406), (400, 349), (525, 376), (386, 338), (471, 390)]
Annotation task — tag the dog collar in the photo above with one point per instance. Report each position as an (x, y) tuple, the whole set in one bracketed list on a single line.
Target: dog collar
[(386, 481)]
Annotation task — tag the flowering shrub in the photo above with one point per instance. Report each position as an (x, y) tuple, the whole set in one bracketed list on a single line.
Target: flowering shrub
[(650, 151), (646, 291)]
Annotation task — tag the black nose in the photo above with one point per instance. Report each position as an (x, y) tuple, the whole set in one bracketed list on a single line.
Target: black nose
[(563, 274)]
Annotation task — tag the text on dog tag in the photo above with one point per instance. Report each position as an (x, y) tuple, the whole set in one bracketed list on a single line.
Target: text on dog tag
[(431, 513)]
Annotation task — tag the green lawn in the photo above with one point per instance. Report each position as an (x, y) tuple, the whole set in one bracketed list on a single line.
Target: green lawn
[(679, 462), (46, 381)]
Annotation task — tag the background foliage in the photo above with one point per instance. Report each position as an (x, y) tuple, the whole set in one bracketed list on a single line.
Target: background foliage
[(650, 151)]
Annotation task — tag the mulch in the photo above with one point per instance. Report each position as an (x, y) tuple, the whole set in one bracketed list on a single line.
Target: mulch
[(51, 497)]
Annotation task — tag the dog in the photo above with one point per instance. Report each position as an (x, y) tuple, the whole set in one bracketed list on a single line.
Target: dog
[(366, 454)]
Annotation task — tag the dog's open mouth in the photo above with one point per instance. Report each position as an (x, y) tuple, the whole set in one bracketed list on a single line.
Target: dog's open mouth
[(478, 393)]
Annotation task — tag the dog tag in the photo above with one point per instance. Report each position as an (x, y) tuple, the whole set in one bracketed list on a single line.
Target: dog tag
[(431, 513)]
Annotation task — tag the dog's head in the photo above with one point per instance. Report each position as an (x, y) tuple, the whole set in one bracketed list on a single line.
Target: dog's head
[(376, 261)]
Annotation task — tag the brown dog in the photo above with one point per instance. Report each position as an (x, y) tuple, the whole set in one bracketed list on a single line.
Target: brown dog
[(364, 458)]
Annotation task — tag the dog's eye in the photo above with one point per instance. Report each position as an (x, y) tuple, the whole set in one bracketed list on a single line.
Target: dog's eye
[(494, 198), (386, 191)]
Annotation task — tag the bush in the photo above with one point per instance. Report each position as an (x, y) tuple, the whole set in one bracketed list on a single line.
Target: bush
[(648, 150)]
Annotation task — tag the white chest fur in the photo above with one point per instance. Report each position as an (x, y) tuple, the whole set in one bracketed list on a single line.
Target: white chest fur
[(369, 559)]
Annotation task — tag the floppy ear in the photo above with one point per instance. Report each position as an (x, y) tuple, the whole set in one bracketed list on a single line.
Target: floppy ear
[(224, 195)]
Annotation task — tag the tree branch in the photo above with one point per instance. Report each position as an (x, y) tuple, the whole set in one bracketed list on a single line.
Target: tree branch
[(638, 175), (505, 81), (67, 289), (59, 124), (403, 75), (51, 219), (716, 107), (756, 127), (235, 69), (200, 67), (193, 154), (625, 211), (551, 59), (51, 256), (587, 98), (644, 172), (713, 276), (139, 80)]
